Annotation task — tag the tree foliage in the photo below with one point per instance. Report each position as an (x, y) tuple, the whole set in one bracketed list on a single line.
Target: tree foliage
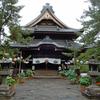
[(92, 25), (74, 53), (8, 14), (20, 36), (95, 51), (9, 17)]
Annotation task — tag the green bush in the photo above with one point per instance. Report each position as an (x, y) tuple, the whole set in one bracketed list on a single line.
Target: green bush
[(63, 73), (98, 79), (85, 81), (22, 75), (72, 75), (1, 55), (73, 79), (84, 69), (10, 81), (70, 71), (30, 72)]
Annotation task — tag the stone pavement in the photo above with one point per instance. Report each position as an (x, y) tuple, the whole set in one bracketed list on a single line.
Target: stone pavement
[(47, 89)]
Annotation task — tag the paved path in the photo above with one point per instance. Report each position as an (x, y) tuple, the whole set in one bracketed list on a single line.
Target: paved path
[(48, 89)]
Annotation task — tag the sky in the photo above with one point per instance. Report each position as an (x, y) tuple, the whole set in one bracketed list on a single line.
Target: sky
[(66, 10)]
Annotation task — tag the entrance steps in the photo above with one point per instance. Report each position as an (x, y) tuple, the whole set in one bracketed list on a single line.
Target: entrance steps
[(46, 73), (47, 77)]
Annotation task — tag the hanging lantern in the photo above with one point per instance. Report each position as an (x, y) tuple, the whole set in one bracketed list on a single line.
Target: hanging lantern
[(26, 62), (72, 59), (66, 63), (81, 61), (10, 59), (18, 58), (21, 57), (77, 60), (15, 59), (71, 62)]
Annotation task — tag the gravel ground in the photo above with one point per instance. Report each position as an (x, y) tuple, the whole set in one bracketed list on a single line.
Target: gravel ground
[(48, 89)]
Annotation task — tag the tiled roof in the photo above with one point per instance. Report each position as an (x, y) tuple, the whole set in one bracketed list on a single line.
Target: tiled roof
[(41, 28), (57, 43), (50, 28)]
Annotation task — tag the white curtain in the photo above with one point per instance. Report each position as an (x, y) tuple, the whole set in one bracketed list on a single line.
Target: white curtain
[(49, 60)]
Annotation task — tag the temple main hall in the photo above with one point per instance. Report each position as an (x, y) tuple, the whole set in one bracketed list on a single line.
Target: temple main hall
[(52, 37)]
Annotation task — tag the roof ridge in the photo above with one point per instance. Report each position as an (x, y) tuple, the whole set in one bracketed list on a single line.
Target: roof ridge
[(47, 7)]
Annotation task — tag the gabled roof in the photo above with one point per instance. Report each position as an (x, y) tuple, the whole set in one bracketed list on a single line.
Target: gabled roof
[(48, 13)]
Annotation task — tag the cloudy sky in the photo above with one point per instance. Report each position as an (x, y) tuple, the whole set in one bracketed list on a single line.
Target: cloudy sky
[(66, 10)]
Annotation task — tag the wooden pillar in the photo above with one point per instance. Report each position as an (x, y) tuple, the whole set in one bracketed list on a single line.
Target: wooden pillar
[(46, 65)]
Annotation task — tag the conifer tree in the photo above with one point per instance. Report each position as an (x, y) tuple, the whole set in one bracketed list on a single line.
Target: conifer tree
[(74, 53), (10, 18), (91, 25)]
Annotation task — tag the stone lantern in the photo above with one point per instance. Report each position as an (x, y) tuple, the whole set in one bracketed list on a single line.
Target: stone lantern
[(93, 91), (5, 90)]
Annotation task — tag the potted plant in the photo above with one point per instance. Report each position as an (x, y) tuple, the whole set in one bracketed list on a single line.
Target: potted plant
[(72, 76), (84, 82), (30, 73), (22, 77), (10, 81), (70, 71), (63, 74)]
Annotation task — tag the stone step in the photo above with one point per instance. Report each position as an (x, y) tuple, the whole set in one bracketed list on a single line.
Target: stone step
[(47, 77), (46, 73)]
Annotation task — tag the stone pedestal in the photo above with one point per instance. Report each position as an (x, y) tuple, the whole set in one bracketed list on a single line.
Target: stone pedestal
[(93, 91), (91, 97), (5, 90)]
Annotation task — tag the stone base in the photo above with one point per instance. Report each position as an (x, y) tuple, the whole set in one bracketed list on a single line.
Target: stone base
[(7, 97), (93, 91), (6, 92), (91, 97)]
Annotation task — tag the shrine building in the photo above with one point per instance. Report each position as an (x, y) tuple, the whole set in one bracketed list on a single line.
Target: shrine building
[(52, 37)]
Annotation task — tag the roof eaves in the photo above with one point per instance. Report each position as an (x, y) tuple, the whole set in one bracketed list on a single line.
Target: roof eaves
[(34, 20), (50, 29), (61, 21)]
